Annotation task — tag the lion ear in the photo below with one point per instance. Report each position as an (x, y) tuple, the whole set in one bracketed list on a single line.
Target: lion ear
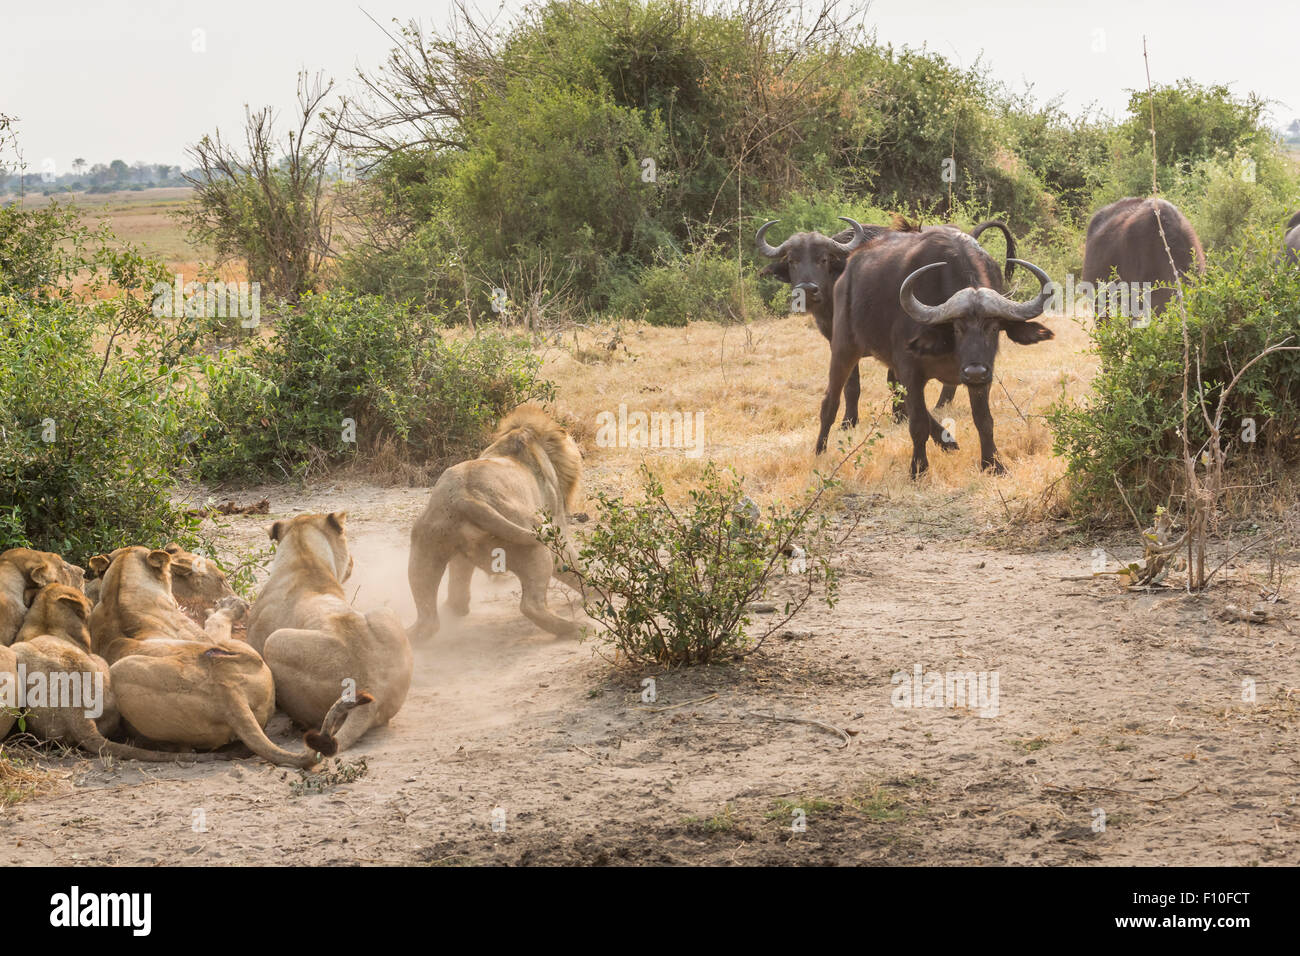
[(173, 548), (337, 519), (42, 575), (276, 531), (79, 604), (159, 559), (99, 563), (181, 565)]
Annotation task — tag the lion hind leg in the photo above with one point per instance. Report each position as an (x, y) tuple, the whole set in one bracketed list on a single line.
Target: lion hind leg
[(424, 571), (534, 571), (462, 570)]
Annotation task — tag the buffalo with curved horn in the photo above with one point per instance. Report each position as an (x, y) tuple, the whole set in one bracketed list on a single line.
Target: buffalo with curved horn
[(929, 305), (811, 262)]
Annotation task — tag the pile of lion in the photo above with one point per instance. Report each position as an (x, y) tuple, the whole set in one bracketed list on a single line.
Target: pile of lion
[(150, 655)]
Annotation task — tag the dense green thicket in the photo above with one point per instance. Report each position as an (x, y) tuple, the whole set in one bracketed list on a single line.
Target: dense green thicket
[(342, 377), (108, 405), (1128, 429), (615, 155)]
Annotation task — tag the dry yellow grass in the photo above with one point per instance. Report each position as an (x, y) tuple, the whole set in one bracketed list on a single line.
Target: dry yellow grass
[(20, 776), (759, 388)]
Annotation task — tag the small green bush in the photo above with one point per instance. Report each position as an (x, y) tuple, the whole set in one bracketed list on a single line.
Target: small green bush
[(347, 375), (1128, 429), (674, 585), (690, 289)]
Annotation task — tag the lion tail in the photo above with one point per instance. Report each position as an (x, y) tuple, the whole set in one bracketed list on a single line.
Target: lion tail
[(322, 741), (495, 523), (89, 738), (248, 730)]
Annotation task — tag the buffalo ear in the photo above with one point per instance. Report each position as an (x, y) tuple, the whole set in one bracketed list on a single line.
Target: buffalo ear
[(779, 268), (932, 340), (336, 520), (159, 559), (99, 563), (1027, 333), (277, 530)]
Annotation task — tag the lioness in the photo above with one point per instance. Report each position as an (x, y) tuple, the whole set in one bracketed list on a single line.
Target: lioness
[(314, 641), (8, 706), (23, 572), (200, 587), (174, 681), (68, 693), (483, 513)]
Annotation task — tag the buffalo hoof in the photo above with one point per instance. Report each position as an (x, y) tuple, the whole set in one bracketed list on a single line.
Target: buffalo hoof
[(949, 446), (919, 468), (848, 424), (995, 466)]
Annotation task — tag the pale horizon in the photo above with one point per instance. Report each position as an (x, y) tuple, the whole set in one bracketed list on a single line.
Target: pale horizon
[(136, 82)]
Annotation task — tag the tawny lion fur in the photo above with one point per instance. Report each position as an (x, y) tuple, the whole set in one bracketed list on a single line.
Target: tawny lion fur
[(55, 641), (489, 508), (175, 681), (317, 645)]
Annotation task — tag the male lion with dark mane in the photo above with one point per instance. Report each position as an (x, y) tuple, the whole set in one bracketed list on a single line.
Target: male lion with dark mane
[(484, 513)]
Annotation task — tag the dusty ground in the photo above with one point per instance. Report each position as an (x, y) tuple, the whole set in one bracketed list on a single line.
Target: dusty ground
[(1127, 704), (1124, 704)]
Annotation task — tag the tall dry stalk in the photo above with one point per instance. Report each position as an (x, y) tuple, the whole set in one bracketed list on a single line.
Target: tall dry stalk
[(1202, 494)]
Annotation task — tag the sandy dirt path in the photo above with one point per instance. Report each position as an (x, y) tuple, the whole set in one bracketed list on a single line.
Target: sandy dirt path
[(1117, 704)]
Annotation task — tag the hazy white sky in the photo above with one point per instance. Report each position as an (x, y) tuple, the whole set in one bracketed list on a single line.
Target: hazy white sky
[(106, 79)]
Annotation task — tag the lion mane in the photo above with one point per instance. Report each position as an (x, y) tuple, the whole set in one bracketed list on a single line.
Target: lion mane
[(529, 424)]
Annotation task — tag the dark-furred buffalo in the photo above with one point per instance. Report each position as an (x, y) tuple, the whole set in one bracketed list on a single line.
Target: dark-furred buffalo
[(811, 262), (1291, 245), (1124, 238), (929, 305)]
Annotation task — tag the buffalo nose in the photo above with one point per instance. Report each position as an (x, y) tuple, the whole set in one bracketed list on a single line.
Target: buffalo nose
[(812, 288), (976, 374)]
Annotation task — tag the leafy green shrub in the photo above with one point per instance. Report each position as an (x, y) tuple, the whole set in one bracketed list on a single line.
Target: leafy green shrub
[(1193, 122), (1232, 196), (91, 447), (1128, 430), (345, 375), (690, 289), (675, 585)]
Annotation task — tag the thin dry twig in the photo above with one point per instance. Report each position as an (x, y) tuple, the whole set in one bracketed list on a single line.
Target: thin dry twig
[(805, 720)]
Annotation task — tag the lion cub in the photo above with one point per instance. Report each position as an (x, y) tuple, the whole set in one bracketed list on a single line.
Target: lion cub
[(315, 643)]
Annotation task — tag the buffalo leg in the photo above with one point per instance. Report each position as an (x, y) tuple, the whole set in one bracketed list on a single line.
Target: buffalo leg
[(946, 396), (937, 433), (979, 409), (841, 367), (919, 422), (852, 389)]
